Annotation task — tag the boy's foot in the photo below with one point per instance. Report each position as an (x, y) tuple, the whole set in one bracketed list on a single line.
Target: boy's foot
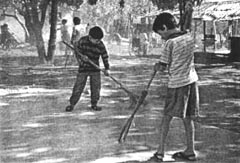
[(69, 108), (96, 108), (183, 156), (157, 157)]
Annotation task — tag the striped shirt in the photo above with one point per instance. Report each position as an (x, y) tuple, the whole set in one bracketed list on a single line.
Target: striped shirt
[(178, 54), (93, 52)]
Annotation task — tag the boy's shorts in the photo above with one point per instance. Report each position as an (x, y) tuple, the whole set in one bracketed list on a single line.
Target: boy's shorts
[(182, 102)]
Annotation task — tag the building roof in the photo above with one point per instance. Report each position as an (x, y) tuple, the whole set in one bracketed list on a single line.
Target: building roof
[(209, 10), (218, 10)]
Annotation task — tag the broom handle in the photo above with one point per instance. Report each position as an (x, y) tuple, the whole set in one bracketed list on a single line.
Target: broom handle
[(152, 77), (88, 60), (142, 97)]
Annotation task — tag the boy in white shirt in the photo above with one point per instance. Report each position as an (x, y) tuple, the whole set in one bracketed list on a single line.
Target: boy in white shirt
[(182, 98)]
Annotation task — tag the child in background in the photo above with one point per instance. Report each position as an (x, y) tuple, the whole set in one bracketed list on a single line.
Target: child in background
[(76, 33), (65, 36)]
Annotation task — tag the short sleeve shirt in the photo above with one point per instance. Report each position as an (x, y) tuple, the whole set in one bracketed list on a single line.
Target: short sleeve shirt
[(178, 54)]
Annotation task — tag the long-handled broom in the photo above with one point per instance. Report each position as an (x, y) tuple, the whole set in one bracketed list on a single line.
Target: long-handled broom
[(141, 99), (132, 96)]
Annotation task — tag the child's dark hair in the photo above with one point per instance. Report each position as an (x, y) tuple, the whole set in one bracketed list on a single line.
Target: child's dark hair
[(96, 32), (162, 19), (76, 20), (64, 21)]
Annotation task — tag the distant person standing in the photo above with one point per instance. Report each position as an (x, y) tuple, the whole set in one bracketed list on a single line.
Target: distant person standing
[(76, 33), (65, 36), (93, 48), (136, 40), (5, 34), (144, 44), (7, 38)]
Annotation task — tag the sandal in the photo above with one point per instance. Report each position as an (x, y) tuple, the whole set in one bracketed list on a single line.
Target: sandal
[(157, 157), (96, 108), (183, 156)]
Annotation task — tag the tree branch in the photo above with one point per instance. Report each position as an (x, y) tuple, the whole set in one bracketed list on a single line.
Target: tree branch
[(9, 15), (19, 21), (43, 11), (20, 11)]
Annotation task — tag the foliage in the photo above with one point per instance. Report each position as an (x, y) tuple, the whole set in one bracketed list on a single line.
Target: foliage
[(92, 2), (74, 3), (4, 4), (185, 8), (171, 4), (165, 4), (121, 3)]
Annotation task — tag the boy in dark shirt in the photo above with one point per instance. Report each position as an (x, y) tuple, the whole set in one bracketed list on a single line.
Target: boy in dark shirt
[(92, 47)]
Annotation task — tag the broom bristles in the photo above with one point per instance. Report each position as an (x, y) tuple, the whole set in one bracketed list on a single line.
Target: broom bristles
[(125, 130), (128, 124)]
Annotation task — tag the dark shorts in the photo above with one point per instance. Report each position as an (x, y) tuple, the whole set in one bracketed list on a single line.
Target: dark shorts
[(182, 102)]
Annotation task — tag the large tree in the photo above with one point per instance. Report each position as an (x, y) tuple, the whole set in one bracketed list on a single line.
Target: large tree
[(53, 30), (53, 23), (34, 13)]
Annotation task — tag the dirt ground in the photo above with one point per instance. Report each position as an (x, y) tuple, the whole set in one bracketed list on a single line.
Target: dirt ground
[(35, 127)]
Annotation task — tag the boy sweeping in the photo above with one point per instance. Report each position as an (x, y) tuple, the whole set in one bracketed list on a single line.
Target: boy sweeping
[(93, 48), (182, 98)]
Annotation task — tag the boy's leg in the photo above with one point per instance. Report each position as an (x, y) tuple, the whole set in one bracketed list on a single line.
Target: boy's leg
[(189, 153), (189, 129), (169, 104), (95, 86), (78, 88), (191, 105), (159, 155), (192, 112), (163, 133)]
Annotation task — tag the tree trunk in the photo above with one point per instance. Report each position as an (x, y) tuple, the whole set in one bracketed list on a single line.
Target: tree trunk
[(34, 16), (53, 31), (181, 10), (187, 17), (36, 25), (31, 39), (40, 43), (186, 10)]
